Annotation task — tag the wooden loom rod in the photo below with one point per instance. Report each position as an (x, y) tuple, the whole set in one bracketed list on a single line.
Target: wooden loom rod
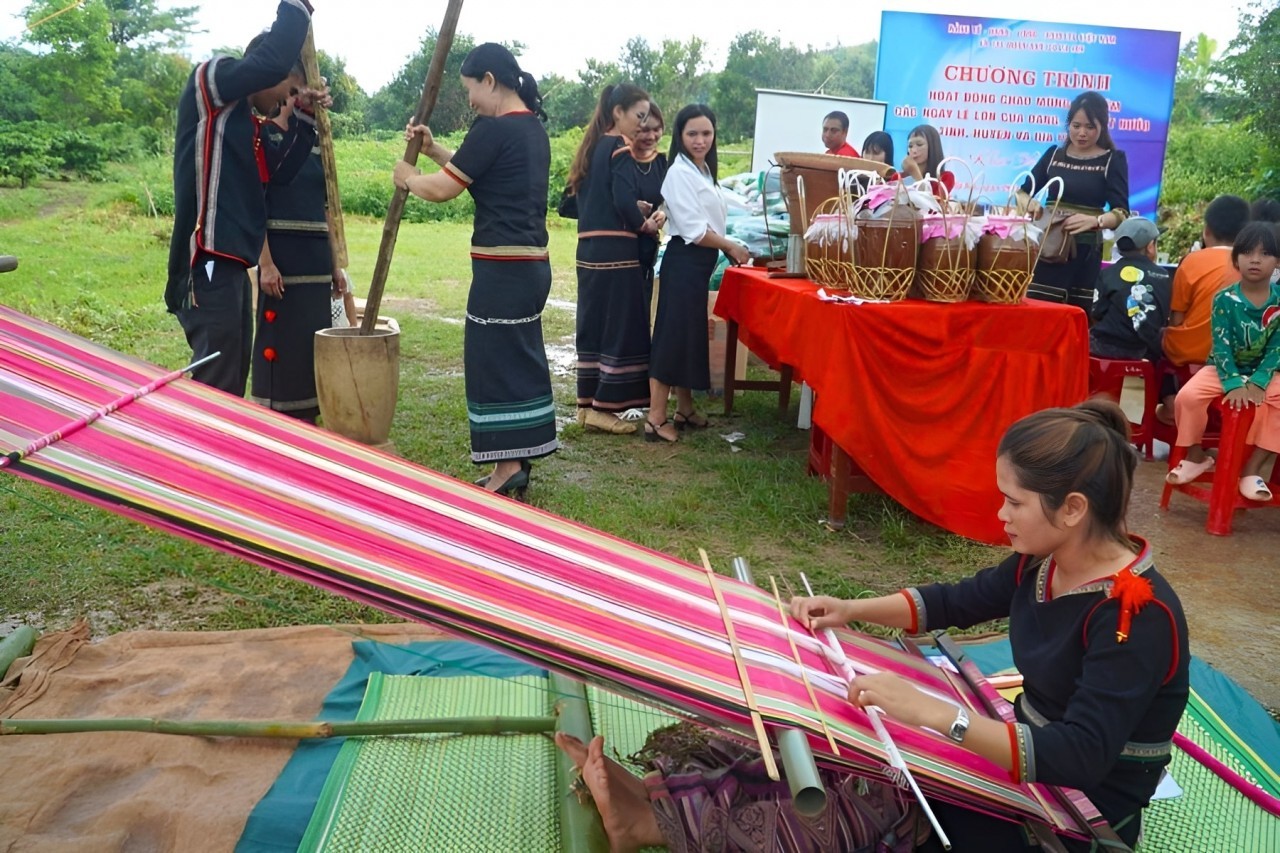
[(804, 673), (391, 228), (766, 750)]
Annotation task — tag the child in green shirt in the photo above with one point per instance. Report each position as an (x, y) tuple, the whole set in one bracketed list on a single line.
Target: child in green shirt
[(1245, 356)]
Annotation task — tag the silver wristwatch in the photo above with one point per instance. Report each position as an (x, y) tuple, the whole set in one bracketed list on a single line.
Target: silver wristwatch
[(960, 726)]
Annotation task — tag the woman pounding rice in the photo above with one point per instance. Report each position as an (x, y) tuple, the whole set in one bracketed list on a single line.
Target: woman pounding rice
[(503, 162), (1097, 633)]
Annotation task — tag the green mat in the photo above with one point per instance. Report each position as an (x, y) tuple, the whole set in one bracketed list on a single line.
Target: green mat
[(441, 791), (458, 792), (1210, 814)]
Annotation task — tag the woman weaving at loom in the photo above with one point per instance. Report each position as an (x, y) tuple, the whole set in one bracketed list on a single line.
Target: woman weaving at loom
[(1097, 633)]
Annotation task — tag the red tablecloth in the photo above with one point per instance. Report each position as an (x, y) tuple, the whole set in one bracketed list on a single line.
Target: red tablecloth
[(918, 393)]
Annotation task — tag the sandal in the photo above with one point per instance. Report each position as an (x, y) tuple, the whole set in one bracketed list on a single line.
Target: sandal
[(1255, 488), (605, 422), (1186, 471), (654, 432), (693, 420)]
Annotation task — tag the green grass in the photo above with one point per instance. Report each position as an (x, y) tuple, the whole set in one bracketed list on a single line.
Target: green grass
[(93, 261)]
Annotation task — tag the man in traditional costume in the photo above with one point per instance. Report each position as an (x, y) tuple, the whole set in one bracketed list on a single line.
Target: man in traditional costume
[(220, 214)]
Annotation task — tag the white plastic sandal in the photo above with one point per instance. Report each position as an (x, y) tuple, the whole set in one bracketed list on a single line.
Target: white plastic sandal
[(1186, 471), (1255, 488)]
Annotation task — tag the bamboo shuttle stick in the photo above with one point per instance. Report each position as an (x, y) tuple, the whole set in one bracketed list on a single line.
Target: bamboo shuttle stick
[(16, 456), (766, 750), (391, 228), (804, 674), (896, 762), (290, 730)]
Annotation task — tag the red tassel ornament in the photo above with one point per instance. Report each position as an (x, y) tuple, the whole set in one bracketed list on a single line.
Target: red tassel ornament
[(1133, 592), (269, 315), (269, 354)]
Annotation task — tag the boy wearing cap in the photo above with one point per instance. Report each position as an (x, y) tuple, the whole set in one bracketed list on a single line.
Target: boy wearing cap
[(1132, 307)]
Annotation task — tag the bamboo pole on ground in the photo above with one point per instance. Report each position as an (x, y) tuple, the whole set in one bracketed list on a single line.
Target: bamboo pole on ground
[(333, 205), (291, 730), (391, 228), (581, 829)]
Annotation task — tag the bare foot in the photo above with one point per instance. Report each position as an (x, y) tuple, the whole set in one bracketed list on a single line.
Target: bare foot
[(620, 797)]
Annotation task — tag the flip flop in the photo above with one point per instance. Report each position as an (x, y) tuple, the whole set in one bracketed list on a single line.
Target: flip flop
[(1255, 488), (1186, 471)]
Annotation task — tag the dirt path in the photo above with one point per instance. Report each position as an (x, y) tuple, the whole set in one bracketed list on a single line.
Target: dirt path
[(1228, 585)]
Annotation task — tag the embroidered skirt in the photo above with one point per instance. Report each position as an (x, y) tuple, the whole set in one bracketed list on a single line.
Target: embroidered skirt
[(508, 383), (284, 376), (612, 325)]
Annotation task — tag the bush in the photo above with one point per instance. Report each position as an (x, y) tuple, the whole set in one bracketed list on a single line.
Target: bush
[(1202, 162), (24, 153)]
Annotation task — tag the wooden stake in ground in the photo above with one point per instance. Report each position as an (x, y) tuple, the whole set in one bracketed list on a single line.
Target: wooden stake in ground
[(333, 206), (430, 92)]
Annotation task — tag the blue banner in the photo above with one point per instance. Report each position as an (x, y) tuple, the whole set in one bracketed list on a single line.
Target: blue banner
[(998, 91)]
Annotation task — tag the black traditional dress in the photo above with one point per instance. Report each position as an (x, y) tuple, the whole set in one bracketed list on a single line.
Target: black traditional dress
[(504, 163), (613, 318), (284, 376), (649, 175), (1092, 186), (680, 347)]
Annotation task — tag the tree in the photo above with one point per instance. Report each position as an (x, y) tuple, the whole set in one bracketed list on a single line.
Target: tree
[(18, 101), (571, 103), (1252, 69), (74, 78), (392, 105), (681, 75), (757, 61), (1193, 97), (138, 23)]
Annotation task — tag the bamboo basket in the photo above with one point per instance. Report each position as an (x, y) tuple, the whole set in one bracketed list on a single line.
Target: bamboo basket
[(1004, 268), (884, 252), (946, 266), (1005, 264), (830, 262)]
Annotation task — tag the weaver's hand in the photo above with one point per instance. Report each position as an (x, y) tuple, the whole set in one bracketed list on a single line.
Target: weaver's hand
[(820, 611), (911, 168), (1034, 208), (645, 207), (270, 282), (901, 700)]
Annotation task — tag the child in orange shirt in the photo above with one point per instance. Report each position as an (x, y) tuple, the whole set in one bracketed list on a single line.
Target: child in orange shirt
[(1198, 278)]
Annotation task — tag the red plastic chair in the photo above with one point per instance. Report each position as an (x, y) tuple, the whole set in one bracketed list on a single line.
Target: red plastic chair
[(1168, 433), (1106, 378), (1220, 488)]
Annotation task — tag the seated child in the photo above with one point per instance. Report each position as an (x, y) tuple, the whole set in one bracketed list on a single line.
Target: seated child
[(1132, 307), (1201, 275), (1245, 355)]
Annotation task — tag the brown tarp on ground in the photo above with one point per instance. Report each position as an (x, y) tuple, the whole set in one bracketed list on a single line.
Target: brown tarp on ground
[(142, 792)]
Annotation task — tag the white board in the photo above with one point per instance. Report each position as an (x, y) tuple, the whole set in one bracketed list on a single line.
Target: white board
[(792, 121)]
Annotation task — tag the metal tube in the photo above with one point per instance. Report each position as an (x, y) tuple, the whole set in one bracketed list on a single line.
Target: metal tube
[(742, 570), (808, 794)]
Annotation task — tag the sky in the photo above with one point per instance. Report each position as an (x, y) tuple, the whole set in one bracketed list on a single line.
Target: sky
[(375, 37)]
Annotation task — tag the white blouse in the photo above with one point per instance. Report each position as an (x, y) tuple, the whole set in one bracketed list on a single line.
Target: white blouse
[(693, 201)]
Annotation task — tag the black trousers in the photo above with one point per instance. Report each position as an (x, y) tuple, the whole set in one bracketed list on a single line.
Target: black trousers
[(219, 320)]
